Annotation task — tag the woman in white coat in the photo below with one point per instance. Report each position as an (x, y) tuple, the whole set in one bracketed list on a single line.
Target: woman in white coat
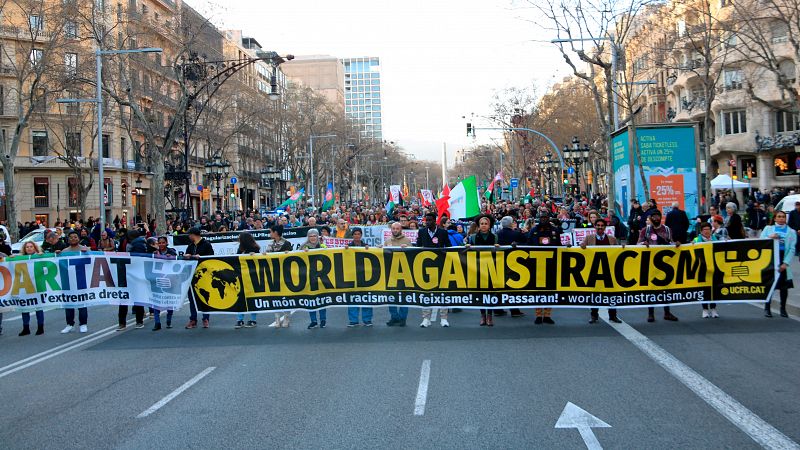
[(787, 239)]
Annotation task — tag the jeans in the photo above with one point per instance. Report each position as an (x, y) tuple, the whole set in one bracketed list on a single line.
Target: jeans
[(398, 312), (323, 315), (366, 314), (122, 315), (26, 318), (193, 312), (83, 316), (240, 317), (157, 315)]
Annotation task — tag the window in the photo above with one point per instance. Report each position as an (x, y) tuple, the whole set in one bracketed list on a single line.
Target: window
[(72, 144), (72, 108), (786, 164), (733, 79), (730, 40), (124, 192), (123, 152), (748, 168), (681, 28), (72, 194), (41, 192), (36, 22), (71, 29), (71, 63), (108, 191), (786, 122), (734, 122), (36, 55), (787, 69), (780, 32), (39, 146), (106, 146)]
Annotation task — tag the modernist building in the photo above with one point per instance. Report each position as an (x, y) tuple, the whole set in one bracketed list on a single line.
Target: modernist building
[(362, 95)]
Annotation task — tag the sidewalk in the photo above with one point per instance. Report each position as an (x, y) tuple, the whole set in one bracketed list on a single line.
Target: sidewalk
[(792, 303)]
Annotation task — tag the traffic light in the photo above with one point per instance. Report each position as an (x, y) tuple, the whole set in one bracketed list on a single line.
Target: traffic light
[(470, 130), (736, 177)]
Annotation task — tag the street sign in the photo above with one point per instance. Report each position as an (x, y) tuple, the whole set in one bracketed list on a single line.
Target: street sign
[(233, 180), (514, 183), (571, 170), (200, 188)]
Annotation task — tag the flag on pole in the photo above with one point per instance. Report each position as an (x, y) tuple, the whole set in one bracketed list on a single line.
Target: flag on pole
[(464, 202), (489, 194), (426, 196), (390, 203), (529, 196), (443, 203), (329, 199), (294, 198)]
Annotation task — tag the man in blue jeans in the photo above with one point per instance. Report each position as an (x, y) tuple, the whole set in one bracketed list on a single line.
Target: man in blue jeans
[(199, 247)]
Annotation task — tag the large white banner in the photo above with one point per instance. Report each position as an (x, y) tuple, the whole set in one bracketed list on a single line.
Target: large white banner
[(90, 279)]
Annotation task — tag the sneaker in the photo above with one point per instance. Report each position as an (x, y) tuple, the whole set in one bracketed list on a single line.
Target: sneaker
[(40, 331), (67, 329), (122, 327), (239, 324), (352, 324), (392, 323), (425, 323), (250, 324), (322, 324), (205, 323), (401, 323), (367, 324), (156, 327), (593, 319), (312, 325), (784, 313), (615, 319), (767, 313), (670, 317), (26, 330), (445, 323), (138, 325), (651, 318), (84, 328), (169, 324), (706, 315), (548, 320), (714, 313), (538, 321), (190, 325)]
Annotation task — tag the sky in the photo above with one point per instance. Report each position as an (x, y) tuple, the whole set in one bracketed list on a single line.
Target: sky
[(441, 60)]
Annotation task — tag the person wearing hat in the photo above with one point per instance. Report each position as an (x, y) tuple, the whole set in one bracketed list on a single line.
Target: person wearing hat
[(198, 247)]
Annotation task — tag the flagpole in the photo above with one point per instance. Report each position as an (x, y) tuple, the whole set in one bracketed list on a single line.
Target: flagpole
[(444, 163)]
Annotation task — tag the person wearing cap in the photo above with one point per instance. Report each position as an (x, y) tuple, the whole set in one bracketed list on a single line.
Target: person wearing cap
[(718, 231), (198, 247), (656, 233)]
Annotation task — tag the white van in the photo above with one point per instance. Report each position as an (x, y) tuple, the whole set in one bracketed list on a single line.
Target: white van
[(787, 203)]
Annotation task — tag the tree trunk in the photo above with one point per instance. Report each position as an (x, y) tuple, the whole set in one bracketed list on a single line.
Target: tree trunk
[(158, 204), (11, 203)]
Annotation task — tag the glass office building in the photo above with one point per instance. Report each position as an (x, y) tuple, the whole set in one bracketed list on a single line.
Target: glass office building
[(362, 94)]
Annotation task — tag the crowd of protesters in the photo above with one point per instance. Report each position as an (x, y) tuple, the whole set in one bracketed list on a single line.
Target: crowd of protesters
[(536, 222)]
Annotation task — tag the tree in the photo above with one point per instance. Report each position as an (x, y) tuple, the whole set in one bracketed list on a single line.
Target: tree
[(32, 55)]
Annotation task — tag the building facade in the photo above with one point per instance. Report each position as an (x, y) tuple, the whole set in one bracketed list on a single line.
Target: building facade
[(322, 73), (362, 95)]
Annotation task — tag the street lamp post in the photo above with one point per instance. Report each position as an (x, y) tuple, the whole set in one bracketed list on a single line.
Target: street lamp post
[(98, 100), (217, 169), (268, 177)]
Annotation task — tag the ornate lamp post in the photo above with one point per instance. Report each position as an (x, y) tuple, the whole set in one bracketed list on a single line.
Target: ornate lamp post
[(217, 169)]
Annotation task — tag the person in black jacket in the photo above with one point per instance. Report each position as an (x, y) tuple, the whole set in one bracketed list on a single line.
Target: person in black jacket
[(678, 222), (433, 237), (794, 223), (756, 218), (733, 223), (544, 234), (484, 236), (137, 245), (510, 235), (197, 248), (635, 221)]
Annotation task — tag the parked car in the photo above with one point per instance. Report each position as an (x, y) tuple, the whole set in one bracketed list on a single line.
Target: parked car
[(36, 236)]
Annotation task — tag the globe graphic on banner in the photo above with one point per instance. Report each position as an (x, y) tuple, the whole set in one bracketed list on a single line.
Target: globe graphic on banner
[(216, 284)]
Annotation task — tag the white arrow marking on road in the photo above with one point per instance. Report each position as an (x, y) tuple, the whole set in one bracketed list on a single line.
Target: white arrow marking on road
[(574, 416)]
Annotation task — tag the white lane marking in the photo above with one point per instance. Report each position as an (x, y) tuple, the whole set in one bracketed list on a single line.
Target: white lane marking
[(175, 393), (573, 416), (55, 351), (13, 319), (422, 390), (754, 426)]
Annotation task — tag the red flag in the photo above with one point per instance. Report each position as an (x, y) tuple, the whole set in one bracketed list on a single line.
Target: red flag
[(443, 203)]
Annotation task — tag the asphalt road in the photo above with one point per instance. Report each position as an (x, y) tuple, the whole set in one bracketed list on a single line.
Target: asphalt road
[(500, 387)]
